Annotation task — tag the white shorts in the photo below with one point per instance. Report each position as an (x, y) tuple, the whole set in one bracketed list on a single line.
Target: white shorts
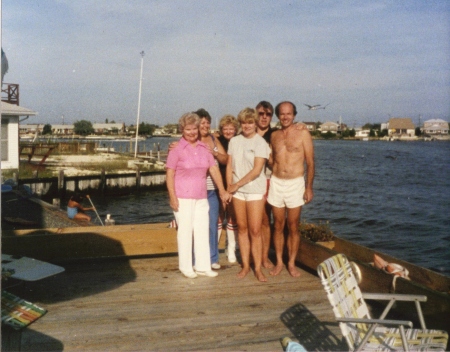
[(286, 192), (248, 196)]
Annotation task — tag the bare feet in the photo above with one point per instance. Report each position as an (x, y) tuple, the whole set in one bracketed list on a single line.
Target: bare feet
[(267, 264), (276, 270), (260, 276), (243, 273), (293, 271)]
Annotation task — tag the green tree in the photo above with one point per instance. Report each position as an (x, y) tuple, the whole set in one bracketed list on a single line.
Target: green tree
[(352, 132), (328, 135), (418, 132), (146, 128), (47, 129), (171, 127), (345, 133), (83, 127), (106, 120), (371, 133)]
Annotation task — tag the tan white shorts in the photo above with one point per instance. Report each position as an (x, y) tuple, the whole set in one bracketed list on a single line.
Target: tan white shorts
[(248, 196), (286, 192)]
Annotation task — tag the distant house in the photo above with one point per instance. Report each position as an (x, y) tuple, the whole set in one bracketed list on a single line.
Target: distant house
[(62, 129), (10, 134), (362, 133), (30, 128), (435, 127), (401, 126), (68, 129), (107, 128), (329, 126), (311, 126)]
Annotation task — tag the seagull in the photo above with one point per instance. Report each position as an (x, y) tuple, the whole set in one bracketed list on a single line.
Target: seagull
[(313, 107), (323, 107)]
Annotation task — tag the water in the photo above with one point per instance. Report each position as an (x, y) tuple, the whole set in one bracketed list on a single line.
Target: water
[(389, 196)]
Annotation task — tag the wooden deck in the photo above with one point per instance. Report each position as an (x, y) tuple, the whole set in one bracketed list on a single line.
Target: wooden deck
[(146, 304)]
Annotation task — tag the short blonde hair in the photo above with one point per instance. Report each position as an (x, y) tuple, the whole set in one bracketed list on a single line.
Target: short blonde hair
[(228, 120), (189, 118), (248, 115)]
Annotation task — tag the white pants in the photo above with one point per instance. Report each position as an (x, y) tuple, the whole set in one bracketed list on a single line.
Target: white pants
[(193, 226)]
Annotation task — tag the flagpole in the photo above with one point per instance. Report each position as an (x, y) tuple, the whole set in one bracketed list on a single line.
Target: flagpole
[(139, 104)]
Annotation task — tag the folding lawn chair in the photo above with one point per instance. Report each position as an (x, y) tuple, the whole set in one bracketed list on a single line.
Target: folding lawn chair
[(361, 331)]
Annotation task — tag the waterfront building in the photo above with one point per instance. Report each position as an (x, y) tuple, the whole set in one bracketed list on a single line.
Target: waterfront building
[(311, 126), (435, 127), (401, 127), (330, 126), (10, 133), (68, 129)]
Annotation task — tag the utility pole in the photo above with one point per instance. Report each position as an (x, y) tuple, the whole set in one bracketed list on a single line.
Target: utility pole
[(139, 104)]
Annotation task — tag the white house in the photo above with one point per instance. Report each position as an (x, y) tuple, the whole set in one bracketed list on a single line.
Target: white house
[(362, 133), (10, 134), (435, 127), (330, 126), (401, 126)]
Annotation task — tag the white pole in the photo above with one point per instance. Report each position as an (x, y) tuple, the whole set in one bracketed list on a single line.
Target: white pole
[(139, 104)]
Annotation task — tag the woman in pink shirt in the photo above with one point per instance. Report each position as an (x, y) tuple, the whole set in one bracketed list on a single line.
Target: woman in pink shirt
[(187, 165)]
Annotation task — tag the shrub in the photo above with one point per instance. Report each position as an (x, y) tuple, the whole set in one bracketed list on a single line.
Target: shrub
[(316, 232)]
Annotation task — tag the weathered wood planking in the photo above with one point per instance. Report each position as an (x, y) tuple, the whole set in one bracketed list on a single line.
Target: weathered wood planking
[(146, 304), (57, 244)]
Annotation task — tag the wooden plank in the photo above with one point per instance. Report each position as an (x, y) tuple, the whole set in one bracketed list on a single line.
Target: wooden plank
[(155, 308), (56, 244)]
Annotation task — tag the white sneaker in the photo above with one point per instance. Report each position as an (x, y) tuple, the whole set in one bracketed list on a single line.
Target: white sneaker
[(190, 275), (215, 266), (208, 273), (232, 258)]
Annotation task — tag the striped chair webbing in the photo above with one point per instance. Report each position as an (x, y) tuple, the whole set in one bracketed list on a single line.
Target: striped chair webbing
[(389, 339), (345, 296), (18, 313), (346, 299)]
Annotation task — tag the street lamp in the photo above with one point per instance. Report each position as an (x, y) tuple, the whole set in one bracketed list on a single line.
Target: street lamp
[(139, 104)]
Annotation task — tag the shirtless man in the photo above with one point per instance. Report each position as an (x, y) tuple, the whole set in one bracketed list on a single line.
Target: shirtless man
[(291, 149)]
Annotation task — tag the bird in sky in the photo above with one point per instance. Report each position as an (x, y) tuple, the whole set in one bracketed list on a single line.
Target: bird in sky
[(316, 107), (312, 107)]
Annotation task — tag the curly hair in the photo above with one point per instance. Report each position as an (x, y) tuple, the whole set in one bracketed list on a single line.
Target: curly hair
[(190, 118), (228, 120)]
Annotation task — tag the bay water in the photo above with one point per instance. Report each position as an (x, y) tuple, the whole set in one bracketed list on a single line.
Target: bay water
[(393, 197)]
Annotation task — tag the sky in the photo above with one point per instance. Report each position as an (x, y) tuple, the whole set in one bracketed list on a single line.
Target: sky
[(369, 60)]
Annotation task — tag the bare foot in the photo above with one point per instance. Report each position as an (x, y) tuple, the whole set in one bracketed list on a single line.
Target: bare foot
[(243, 273), (275, 271), (267, 264), (260, 276), (293, 271)]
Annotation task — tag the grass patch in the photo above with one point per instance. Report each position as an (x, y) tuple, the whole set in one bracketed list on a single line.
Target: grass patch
[(109, 166)]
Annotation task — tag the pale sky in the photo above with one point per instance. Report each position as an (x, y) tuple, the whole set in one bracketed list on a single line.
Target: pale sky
[(370, 60)]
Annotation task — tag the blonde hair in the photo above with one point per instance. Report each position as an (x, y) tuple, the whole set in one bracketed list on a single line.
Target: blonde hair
[(189, 118), (248, 115), (228, 120)]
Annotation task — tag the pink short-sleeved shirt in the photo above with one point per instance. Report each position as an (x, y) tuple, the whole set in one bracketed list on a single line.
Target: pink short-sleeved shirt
[(191, 164)]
